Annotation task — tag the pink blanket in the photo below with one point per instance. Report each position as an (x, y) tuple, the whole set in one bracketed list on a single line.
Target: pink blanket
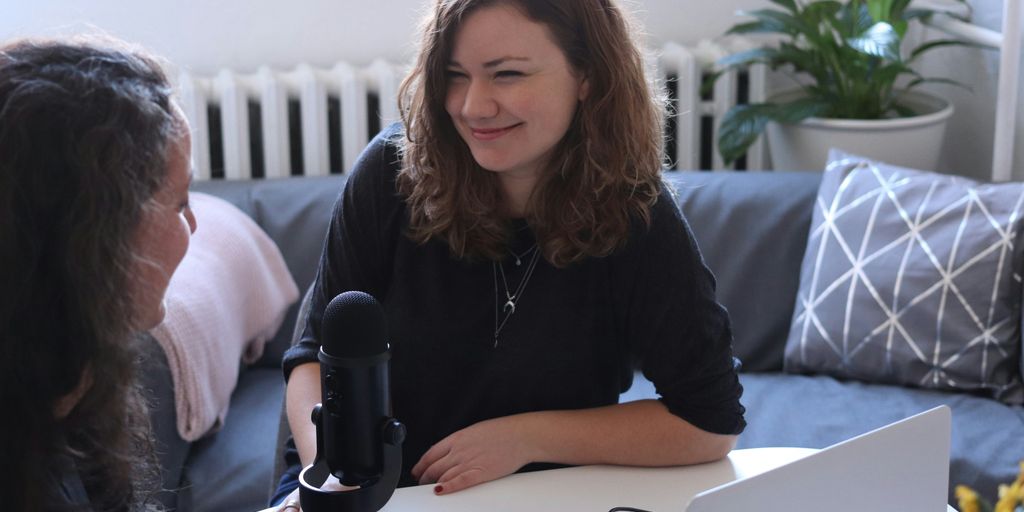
[(227, 298)]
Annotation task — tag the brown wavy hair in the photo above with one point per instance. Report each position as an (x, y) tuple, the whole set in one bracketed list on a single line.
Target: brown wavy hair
[(606, 171), (84, 134)]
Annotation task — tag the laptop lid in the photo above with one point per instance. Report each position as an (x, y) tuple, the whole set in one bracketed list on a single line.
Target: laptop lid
[(902, 466)]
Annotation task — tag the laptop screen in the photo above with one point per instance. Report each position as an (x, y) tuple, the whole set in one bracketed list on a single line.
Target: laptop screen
[(902, 466)]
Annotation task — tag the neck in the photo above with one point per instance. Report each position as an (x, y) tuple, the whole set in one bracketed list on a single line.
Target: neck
[(516, 191)]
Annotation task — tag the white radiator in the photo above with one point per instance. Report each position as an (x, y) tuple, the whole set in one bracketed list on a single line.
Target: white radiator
[(325, 114)]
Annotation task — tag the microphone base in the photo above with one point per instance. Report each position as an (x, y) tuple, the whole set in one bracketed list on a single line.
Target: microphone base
[(368, 498)]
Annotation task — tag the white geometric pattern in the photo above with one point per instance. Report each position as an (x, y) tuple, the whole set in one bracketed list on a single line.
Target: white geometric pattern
[(911, 278)]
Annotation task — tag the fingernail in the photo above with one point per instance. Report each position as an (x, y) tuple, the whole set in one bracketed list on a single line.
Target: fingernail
[(438, 489)]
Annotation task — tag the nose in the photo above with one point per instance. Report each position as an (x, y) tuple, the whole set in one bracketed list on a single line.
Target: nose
[(479, 101)]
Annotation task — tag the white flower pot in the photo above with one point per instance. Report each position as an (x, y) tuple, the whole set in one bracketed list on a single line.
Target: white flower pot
[(907, 141)]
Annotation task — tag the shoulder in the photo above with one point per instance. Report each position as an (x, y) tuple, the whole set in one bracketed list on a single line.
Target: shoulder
[(382, 154), (665, 239), (377, 167), (666, 220)]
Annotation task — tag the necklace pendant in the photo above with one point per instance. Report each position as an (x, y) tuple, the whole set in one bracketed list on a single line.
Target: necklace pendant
[(518, 261), (510, 307)]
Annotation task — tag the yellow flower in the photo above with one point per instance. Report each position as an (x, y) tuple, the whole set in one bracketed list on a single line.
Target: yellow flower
[(1009, 497), (967, 499)]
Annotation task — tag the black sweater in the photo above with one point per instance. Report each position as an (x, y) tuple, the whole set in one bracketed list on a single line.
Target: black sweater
[(572, 341)]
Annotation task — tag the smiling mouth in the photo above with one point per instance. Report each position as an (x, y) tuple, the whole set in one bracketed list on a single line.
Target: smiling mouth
[(486, 134)]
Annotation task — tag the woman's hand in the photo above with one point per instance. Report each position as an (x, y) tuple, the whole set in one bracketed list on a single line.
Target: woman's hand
[(476, 454), (290, 503)]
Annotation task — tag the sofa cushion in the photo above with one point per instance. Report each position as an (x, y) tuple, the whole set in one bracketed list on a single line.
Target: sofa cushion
[(294, 212), (752, 229), (228, 296), (817, 411), (912, 278)]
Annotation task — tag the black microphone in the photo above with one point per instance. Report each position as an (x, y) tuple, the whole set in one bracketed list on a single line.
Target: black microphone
[(355, 388)]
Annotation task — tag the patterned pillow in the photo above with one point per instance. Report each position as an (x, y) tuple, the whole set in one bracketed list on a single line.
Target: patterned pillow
[(912, 278)]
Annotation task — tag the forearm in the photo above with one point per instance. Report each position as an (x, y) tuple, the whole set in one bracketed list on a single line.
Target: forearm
[(301, 395), (641, 433)]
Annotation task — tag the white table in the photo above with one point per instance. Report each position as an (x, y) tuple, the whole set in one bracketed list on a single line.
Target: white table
[(597, 488)]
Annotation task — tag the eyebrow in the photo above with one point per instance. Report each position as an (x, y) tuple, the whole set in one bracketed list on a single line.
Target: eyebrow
[(493, 63)]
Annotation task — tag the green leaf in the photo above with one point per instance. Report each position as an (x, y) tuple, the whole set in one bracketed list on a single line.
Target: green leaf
[(896, 11), (709, 82), (789, 5), (939, 43), (880, 10), (740, 127), (880, 41), (924, 13), (799, 109), (755, 27), (803, 61), (822, 10), (747, 57), (854, 19), (743, 124), (769, 20), (918, 81), (886, 75), (900, 27)]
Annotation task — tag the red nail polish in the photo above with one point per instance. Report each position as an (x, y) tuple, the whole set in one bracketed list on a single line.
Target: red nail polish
[(438, 489)]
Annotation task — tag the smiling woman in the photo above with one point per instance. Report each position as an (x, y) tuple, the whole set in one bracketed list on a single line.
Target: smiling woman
[(94, 219), (517, 233)]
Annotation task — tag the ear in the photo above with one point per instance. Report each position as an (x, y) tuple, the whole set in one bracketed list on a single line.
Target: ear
[(584, 89)]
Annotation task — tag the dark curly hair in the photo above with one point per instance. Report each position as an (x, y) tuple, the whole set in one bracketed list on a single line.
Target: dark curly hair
[(607, 168), (84, 132)]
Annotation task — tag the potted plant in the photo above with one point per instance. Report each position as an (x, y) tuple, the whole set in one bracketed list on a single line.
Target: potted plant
[(853, 76)]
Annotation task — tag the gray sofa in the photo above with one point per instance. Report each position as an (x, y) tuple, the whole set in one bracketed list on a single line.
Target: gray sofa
[(752, 228)]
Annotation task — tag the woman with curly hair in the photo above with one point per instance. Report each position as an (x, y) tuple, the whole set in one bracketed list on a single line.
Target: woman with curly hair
[(516, 230), (94, 219)]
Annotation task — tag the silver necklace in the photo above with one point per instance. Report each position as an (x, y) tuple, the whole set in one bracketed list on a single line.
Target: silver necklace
[(519, 257), (511, 299)]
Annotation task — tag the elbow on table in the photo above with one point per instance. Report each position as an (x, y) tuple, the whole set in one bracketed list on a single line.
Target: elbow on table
[(723, 445), (710, 447)]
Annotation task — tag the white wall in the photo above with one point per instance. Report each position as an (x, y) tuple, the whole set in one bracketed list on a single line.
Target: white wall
[(208, 34), (204, 35), (969, 137)]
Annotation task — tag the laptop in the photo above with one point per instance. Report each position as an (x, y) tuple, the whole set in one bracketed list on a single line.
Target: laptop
[(900, 467)]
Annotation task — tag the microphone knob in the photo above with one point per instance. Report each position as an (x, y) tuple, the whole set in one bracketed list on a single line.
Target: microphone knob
[(394, 432)]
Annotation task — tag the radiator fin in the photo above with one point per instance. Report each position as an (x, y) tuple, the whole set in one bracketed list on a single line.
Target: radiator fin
[(340, 108)]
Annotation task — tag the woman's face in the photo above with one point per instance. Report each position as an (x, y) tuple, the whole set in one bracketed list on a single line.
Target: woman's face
[(511, 92), (164, 232)]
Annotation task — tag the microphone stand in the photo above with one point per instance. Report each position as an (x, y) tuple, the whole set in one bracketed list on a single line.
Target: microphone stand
[(369, 497)]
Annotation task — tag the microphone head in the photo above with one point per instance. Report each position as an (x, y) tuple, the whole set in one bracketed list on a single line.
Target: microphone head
[(354, 326)]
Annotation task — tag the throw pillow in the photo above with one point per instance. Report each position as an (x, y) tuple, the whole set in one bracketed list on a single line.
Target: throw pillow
[(227, 298), (911, 278)]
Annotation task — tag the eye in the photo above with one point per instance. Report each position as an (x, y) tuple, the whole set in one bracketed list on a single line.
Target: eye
[(452, 74), (508, 73)]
